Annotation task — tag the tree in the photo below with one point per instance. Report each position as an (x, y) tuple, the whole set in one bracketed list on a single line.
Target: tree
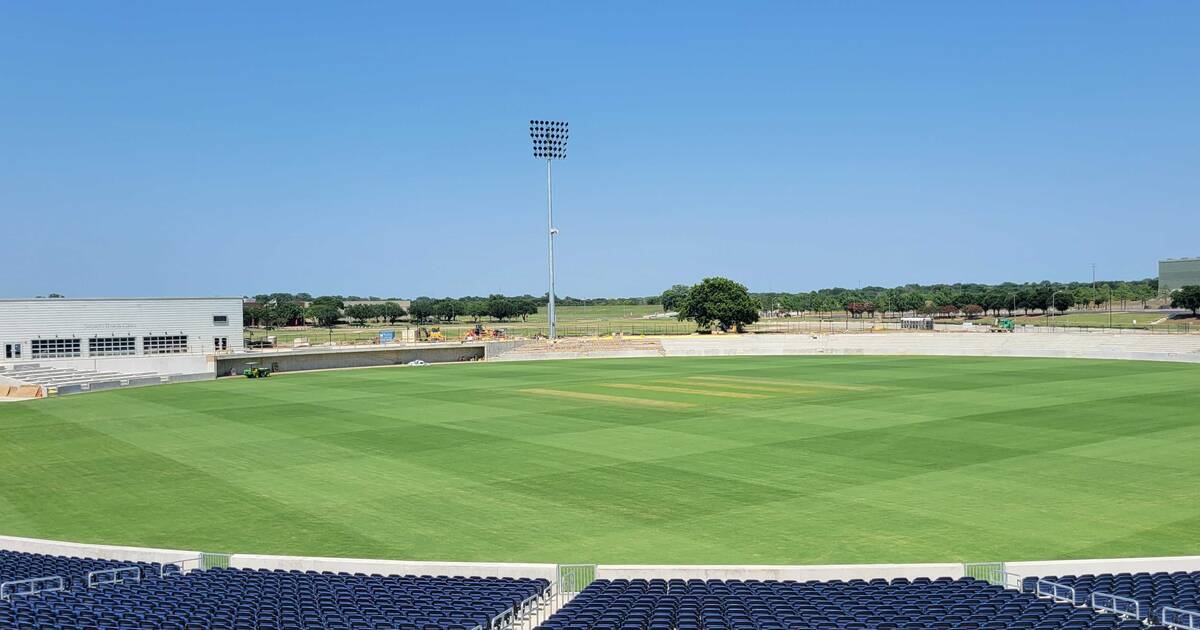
[(720, 301), (476, 309), (526, 307), (500, 307), (1187, 297), (330, 300), (254, 315), (1085, 296), (284, 313), (391, 311), (972, 311), (1144, 293), (1063, 300), (994, 300), (360, 313), (909, 301), (420, 309), (447, 309), (325, 315), (673, 298)]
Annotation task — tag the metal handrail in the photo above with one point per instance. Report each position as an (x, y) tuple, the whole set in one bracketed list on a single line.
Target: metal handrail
[(1117, 600), (1054, 590), (95, 578), (1193, 618), (7, 589)]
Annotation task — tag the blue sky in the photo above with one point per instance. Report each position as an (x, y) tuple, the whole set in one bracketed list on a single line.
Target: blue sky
[(165, 148)]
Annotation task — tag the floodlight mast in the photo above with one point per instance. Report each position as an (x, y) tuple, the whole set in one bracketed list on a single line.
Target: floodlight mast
[(550, 143)]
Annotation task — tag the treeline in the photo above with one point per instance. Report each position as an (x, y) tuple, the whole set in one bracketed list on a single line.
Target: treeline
[(328, 311), (267, 298), (1008, 297), (496, 306)]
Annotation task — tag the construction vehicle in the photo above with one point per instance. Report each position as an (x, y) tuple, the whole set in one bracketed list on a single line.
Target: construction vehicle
[(480, 333), (434, 334), (1004, 324), (254, 371)]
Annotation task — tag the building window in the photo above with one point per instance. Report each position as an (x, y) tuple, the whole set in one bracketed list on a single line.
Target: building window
[(12, 351), (220, 343), (166, 344), (220, 320), (112, 346), (54, 348)]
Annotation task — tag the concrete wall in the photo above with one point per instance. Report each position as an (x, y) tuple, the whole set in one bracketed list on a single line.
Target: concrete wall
[(781, 572), (1146, 347), (395, 567), (1115, 565), (335, 357), (102, 552), (609, 571)]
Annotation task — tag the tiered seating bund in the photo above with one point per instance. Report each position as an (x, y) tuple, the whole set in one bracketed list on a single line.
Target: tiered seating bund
[(246, 599), (921, 604), (1180, 589), (16, 565)]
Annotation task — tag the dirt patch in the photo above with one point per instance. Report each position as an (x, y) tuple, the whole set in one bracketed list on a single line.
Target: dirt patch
[(605, 398), (684, 390)]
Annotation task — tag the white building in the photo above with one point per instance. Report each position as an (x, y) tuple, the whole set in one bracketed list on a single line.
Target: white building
[(163, 335)]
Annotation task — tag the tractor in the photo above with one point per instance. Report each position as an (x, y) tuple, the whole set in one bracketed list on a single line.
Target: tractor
[(254, 371), (1005, 325)]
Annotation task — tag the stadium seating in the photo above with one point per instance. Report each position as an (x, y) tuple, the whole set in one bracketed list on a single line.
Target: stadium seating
[(1152, 591), (15, 565), (245, 599), (71, 380), (921, 604)]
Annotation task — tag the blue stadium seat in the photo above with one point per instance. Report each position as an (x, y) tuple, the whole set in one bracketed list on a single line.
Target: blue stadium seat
[(16, 565), (245, 599), (1152, 591), (919, 604)]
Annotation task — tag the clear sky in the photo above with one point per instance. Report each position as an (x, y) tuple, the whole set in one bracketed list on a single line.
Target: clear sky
[(162, 148)]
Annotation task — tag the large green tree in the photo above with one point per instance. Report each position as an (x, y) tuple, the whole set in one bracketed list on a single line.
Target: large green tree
[(500, 307), (420, 309), (447, 310), (391, 311), (1187, 297), (672, 299), (283, 313), (325, 315), (719, 301), (1064, 300)]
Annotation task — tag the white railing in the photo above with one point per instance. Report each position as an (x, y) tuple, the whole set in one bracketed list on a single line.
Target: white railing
[(537, 608), (113, 576), (32, 586), (1116, 604), (1179, 618), (1056, 591), (994, 573), (179, 567)]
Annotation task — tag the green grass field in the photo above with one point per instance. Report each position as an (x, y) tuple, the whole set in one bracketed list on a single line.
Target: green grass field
[(1098, 318), (706, 460)]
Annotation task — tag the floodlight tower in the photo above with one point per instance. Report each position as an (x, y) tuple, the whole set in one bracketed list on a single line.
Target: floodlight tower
[(549, 143)]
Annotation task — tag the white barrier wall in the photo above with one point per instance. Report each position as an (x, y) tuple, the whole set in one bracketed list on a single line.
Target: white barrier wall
[(101, 552), (395, 567), (1146, 347), (780, 572), (604, 571), (1097, 566)]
